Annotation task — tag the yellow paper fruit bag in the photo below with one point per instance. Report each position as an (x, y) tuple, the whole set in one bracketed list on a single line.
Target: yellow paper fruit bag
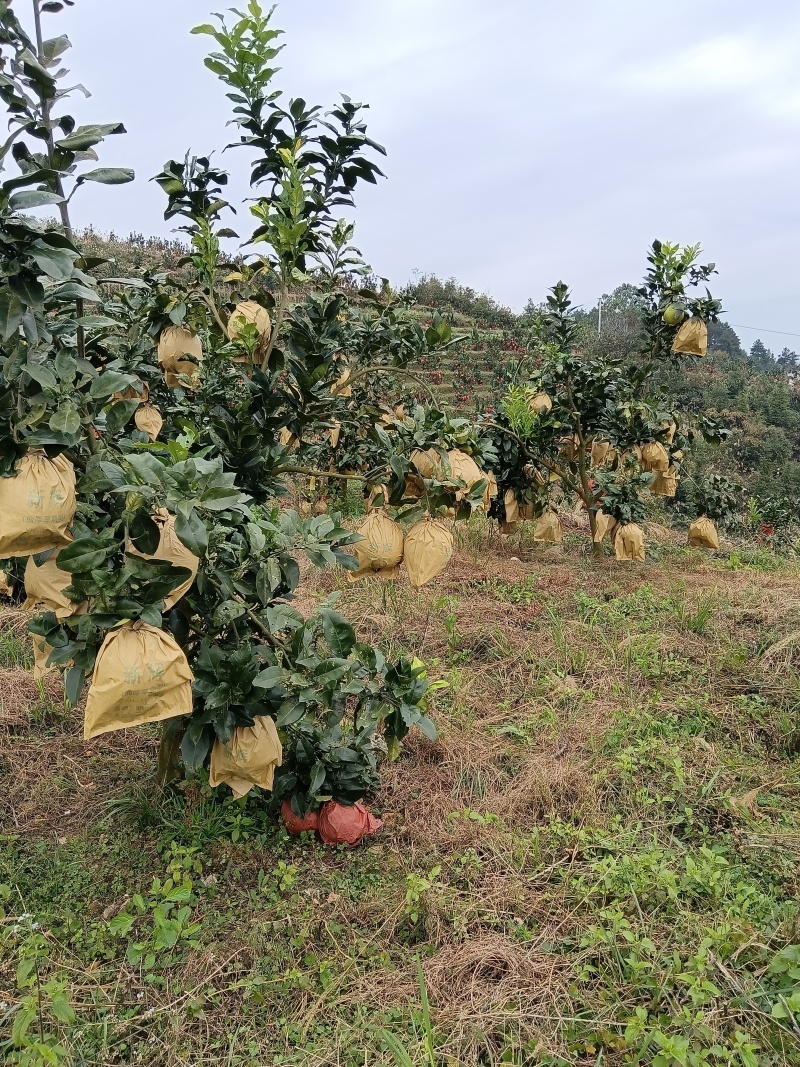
[(490, 492), (548, 529), (172, 550), (37, 506), (141, 675), (603, 526), (179, 353), (600, 451), (45, 585), (512, 507), (629, 543), (692, 338), (41, 654), (540, 403), (140, 391), (666, 483), (654, 457), (427, 463), (248, 759), (341, 387), (464, 468), (703, 534), (381, 550), (429, 548), (148, 420), (249, 311)]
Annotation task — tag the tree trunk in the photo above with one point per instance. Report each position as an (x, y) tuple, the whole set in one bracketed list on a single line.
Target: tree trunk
[(169, 752), (597, 549)]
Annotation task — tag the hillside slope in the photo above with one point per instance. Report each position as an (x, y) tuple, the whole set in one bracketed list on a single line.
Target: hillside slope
[(595, 863)]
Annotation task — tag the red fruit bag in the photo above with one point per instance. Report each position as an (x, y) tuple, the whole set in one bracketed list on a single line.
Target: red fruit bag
[(340, 825), (294, 824)]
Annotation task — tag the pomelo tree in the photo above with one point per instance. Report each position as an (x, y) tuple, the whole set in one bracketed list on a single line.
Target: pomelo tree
[(598, 427), (172, 413)]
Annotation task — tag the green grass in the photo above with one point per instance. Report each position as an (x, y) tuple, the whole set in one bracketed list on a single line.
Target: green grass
[(595, 865)]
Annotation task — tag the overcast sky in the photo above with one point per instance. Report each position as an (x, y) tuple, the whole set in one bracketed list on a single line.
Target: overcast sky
[(528, 140)]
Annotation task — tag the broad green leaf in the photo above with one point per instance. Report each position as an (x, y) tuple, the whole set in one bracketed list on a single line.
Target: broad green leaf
[(56, 263), (144, 532), (195, 746), (28, 290), (269, 678), (290, 712), (191, 531), (109, 175), (42, 374), (120, 414), (83, 555), (338, 632), (122, 924), (73, 291), (73, 683), (32, 198), (108, 382), (65, 419), (88, 136), (428, 727)]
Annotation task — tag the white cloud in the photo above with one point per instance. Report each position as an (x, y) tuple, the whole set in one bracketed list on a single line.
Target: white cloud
[(526, 141)]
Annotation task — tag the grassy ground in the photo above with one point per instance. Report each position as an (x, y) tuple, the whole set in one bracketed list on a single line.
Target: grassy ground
[(596, 863)]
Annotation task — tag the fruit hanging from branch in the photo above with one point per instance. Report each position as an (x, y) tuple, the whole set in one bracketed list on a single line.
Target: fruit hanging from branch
[(599, 429), (179, 564)]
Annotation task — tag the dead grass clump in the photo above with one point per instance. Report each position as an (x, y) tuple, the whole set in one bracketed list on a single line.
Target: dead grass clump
[(543, 787), (483, 973), (655, 531), (784, 655), (14, 620), (18, 691), (432, 782)]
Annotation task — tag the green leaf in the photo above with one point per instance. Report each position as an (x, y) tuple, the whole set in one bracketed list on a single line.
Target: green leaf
[(290, 713), (317, 778), (269, 678), (191, 530), (32, 198), (56, 263), (119, 414), (27, 290), (88, 136), (42, 374), (73, 683), (220, 498), (145, 532), (83, 555), (428, 727), (66, 366), (338, 632), (65, 419), (109, 176), (195, 746), (122, 924), (73, 291), (108, 382)]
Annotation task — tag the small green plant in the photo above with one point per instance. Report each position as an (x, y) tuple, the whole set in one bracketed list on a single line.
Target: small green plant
[(417, 887), (163, 916), (423, 1030), (696, 620), (42, 1005)]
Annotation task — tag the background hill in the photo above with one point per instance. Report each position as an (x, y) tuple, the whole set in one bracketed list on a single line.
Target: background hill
[(756, 393)]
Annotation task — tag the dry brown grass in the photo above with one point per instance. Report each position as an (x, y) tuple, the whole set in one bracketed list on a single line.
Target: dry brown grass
[(534, 688)]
